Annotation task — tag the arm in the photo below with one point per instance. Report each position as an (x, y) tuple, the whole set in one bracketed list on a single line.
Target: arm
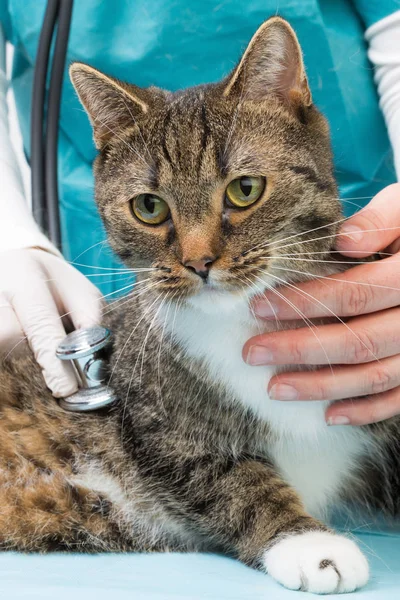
[(17, 226), (37, 286)]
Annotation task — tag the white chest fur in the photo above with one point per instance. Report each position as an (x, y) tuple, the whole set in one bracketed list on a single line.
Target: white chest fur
[(314, 458)]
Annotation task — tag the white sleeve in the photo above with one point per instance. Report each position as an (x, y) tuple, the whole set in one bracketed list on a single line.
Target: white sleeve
[(17, 226), (384, 53)]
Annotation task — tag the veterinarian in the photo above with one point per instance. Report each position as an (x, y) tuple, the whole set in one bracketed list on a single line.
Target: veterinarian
[(178, 45)]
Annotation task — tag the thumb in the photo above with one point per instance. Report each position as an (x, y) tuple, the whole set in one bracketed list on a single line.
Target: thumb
[(39, 318), (374, 228)]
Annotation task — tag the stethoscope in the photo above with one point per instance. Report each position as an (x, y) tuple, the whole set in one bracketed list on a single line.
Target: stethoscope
[(85, 349)]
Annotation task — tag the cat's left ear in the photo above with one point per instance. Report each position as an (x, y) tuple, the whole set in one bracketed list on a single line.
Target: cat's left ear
[(271, 65)]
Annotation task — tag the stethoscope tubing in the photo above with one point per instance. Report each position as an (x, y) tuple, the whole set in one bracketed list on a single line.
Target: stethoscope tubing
[(44, 136)]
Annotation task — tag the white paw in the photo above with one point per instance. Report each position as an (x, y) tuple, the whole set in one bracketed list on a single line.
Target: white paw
[(319, 562)]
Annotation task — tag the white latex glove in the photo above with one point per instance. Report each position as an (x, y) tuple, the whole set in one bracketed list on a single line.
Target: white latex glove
[(36, 289)]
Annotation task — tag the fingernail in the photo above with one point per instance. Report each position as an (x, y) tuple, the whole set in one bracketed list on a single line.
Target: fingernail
[(282, 391), (338, 420), (350, 232), (258, 355), (267, 310)]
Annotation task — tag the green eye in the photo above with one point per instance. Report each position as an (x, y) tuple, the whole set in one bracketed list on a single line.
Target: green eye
[(150, 209), (244, 191)]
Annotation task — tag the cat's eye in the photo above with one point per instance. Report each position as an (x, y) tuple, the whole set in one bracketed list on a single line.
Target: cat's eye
[(150, 209), (244, 191)]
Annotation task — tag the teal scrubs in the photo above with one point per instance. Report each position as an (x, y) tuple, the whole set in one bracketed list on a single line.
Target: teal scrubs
[(175, 44)]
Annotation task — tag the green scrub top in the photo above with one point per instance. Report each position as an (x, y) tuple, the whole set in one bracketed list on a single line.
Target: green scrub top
[(175, 44)]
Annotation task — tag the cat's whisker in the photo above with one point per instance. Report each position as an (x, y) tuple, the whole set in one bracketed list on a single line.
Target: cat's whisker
[(115, 269), (109, 274), (326, 253), (126, 299), (334, 235), (331, 312), (303, 317), (159, 351), (261, 290), (295, 235), (357, 198), (331, 278), (102, 242), (116, 279), (128, 340), (120, 290), (134, 368), (129, 297), (114, 273), (249, 286), (357, 206), (273, 243), (312, 260), (324, 262), (177, 306), (142, 351)]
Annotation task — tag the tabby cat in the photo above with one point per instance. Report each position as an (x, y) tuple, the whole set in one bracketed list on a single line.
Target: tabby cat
[(211, 193)]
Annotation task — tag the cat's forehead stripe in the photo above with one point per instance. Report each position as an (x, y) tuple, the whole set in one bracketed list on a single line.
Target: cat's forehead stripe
[(186, 149), (192, 146)]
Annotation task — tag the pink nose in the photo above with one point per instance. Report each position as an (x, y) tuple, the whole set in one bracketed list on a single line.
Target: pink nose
[(200, 266)]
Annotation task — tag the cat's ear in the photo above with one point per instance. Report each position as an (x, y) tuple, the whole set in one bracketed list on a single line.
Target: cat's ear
[(271, 65), (110, 104)]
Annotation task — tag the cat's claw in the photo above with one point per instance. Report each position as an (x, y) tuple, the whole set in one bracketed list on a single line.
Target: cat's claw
[(318, 562)]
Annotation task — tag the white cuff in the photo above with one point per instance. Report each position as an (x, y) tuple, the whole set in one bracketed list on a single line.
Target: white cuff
[(17, 226), (384, 53)]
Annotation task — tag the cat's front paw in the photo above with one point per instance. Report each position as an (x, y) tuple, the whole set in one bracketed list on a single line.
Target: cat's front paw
[(319, 562)]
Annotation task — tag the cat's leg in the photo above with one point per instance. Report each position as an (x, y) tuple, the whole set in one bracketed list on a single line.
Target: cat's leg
[(248, 510), (47, 513)]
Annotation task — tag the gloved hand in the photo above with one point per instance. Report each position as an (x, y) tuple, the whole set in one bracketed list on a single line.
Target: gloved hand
[(36, 289)]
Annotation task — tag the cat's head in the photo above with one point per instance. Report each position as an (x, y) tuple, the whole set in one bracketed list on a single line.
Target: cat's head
[(216, 187)]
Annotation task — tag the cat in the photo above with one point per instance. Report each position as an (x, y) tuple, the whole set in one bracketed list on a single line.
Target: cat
[(213, 194)]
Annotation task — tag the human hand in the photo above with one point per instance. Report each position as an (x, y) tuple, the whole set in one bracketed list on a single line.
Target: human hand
[(36, 290), (363, 353)]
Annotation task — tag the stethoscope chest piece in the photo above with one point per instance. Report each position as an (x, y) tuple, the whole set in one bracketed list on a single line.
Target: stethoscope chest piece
[(86, 349)]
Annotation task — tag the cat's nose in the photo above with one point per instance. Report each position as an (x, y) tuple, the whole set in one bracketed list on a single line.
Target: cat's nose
[(200, 266)]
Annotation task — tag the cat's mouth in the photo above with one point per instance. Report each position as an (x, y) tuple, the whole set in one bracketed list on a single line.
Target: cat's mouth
[(222, 282), (212, 289), (222, 291), (217, 298)]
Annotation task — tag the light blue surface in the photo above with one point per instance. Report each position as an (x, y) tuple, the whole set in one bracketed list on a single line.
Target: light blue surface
[(175, 576)]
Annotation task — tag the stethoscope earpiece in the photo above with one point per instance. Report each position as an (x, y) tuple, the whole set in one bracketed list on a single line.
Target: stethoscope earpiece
[(86, 350)]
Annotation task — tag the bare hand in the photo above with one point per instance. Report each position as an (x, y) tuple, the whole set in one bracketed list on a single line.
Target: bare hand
[(362, 354)]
